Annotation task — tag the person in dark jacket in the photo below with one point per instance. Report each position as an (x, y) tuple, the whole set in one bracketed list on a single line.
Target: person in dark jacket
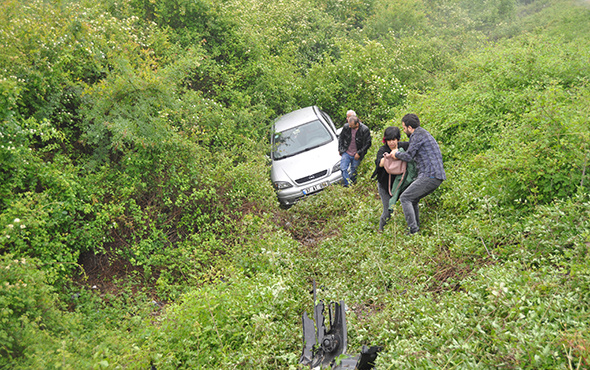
[(424, 150), (353, 143), (391, 142)]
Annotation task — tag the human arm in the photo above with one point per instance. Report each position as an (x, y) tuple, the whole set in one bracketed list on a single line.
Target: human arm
[(380, 153), (388, 152), (365, 142), (342, 139), (386, 155), (414, 145)]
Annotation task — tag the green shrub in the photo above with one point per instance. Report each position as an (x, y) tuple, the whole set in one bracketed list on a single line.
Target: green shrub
[(44, 192), (399, 17), (364, 81), (518, 138), (502, 316), (35, 333), (28, 306), (250, 326), (136, 131)]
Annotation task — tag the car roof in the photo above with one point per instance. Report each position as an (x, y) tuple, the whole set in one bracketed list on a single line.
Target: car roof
[(296, 118)]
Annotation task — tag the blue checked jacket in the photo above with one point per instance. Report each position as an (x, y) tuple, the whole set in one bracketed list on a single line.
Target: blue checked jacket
[(424, 150)]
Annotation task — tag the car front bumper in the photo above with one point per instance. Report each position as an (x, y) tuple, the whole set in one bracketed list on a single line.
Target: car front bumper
[(291, 195)]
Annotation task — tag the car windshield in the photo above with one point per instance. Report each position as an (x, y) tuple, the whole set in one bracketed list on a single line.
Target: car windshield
[(299, 139)]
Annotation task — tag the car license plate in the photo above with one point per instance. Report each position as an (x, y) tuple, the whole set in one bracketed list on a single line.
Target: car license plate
[(313, 189)]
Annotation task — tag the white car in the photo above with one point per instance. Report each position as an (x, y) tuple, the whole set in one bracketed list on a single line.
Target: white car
[(304, 154)]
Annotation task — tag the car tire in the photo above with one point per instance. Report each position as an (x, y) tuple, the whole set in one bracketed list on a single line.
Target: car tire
[(284, 205)]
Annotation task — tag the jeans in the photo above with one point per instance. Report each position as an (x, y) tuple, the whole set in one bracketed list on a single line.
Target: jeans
[(385, 197), (347, 161), (409, 199)]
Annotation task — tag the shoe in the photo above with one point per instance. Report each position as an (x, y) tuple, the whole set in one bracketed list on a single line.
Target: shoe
[(410, 233)]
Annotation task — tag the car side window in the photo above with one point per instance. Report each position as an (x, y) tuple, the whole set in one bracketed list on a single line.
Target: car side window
[(328, 119)]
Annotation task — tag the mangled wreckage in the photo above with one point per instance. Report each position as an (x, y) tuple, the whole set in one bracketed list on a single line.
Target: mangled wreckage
[(325, 348)]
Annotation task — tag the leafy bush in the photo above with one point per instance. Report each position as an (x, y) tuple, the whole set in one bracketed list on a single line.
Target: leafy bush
[(502, 316), (135, 133), (28, 305), (364, 81), (48, 198), (215, 327), (518, 137), (35, 332), (399, 17)]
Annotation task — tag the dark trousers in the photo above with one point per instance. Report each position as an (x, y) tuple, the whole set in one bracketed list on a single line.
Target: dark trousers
[(409, 199), (385, 197)]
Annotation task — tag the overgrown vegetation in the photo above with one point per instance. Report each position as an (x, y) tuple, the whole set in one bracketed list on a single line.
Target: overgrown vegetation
[(138, 225)]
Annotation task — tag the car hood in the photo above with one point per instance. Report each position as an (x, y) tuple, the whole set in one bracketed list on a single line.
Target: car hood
[(306, 163)]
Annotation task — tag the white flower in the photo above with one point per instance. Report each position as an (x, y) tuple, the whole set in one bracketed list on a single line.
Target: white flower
[(22, 226), (16, 220), (10, 226)]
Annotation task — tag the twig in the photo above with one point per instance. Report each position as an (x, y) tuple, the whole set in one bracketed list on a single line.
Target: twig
[(215, 325), (584, 170), (377, 260), (486, 247)]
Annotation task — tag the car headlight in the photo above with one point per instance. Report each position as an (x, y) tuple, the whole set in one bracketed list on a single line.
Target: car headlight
[(279, 185), (336, 167)]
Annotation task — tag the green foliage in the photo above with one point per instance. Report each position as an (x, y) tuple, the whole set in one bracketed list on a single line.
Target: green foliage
[(303, 31), (490, 14), (33, 55), (49, 200), (352, 13), (519, 319), (557, 234), (54, 52), (192, 22), (27, 305), (364, 80), (138, 224), (9, 93), (249, 327), (35, 333), (127, 112), (400, 17), (551, 160), (519, 136)]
